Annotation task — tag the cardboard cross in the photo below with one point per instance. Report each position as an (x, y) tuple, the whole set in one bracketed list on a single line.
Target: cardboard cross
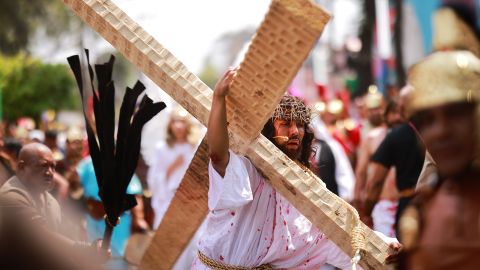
[(281, 44)]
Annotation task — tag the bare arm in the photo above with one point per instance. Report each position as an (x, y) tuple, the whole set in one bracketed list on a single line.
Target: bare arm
[(217, 132), (374, 187), (361, 174), (138, 216)]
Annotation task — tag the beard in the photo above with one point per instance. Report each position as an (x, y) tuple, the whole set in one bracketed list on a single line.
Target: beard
[(375, 120), (293, 154)]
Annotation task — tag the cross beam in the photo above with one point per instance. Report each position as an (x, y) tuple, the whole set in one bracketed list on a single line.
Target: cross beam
[(306, 192)]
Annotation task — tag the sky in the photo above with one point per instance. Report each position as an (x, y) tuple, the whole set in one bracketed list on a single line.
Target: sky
[(187, 28)]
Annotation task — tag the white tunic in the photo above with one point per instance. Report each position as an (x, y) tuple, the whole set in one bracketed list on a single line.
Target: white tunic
[(163, 189), (250, 224)]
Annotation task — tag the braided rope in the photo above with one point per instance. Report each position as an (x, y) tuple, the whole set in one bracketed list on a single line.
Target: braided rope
[(358, 237), (216, 265)]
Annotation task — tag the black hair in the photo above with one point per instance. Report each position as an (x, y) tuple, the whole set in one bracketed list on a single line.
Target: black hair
[(51, 134), (307, 149), (391, 106), (12, 146)]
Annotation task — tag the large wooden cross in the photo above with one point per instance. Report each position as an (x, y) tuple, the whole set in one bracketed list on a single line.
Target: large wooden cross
[(287, 34)]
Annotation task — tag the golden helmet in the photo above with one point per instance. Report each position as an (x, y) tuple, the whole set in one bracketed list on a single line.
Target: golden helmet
[(452, 33), (373, 99), (335, 106), (319, 107), (443, 77)]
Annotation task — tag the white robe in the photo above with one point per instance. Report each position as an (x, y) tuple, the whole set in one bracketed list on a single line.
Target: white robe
[(250, 224), (164, 189)]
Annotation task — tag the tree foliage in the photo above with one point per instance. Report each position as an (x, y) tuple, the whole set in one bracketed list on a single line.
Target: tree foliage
[(209, 75), (30, 87), (20, 18)]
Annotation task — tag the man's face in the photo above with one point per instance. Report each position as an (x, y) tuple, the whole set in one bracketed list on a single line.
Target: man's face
[(292, 130), (329, 118), (375, 116), (394, 118), (74, 148), (39, 170), (449, 134)]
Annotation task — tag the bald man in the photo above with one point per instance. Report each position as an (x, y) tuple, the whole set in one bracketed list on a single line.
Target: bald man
[(30, 220), (27, 191)]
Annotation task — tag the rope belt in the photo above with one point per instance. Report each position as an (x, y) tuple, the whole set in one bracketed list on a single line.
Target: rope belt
[(216, 265)]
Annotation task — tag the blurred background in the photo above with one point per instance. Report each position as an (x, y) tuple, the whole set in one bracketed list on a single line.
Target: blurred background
[(366, 42)]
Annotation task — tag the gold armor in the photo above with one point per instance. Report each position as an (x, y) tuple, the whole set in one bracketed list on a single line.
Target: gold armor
[(373, 99), (444, 77), (452, 33)]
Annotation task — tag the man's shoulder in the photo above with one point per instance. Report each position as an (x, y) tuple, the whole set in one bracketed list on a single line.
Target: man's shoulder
[(246, 161), (395, 135), (238, 160), (399, 131), (13, 192), (12, 185), (235, 156)]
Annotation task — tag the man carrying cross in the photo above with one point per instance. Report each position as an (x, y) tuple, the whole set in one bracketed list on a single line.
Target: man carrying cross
[(250, 225)]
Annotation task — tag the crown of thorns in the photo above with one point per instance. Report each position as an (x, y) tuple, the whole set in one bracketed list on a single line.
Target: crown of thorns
[(292, 109)]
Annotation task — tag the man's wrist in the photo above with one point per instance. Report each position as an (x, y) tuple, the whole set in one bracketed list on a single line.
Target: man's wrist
[(218, 96)]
